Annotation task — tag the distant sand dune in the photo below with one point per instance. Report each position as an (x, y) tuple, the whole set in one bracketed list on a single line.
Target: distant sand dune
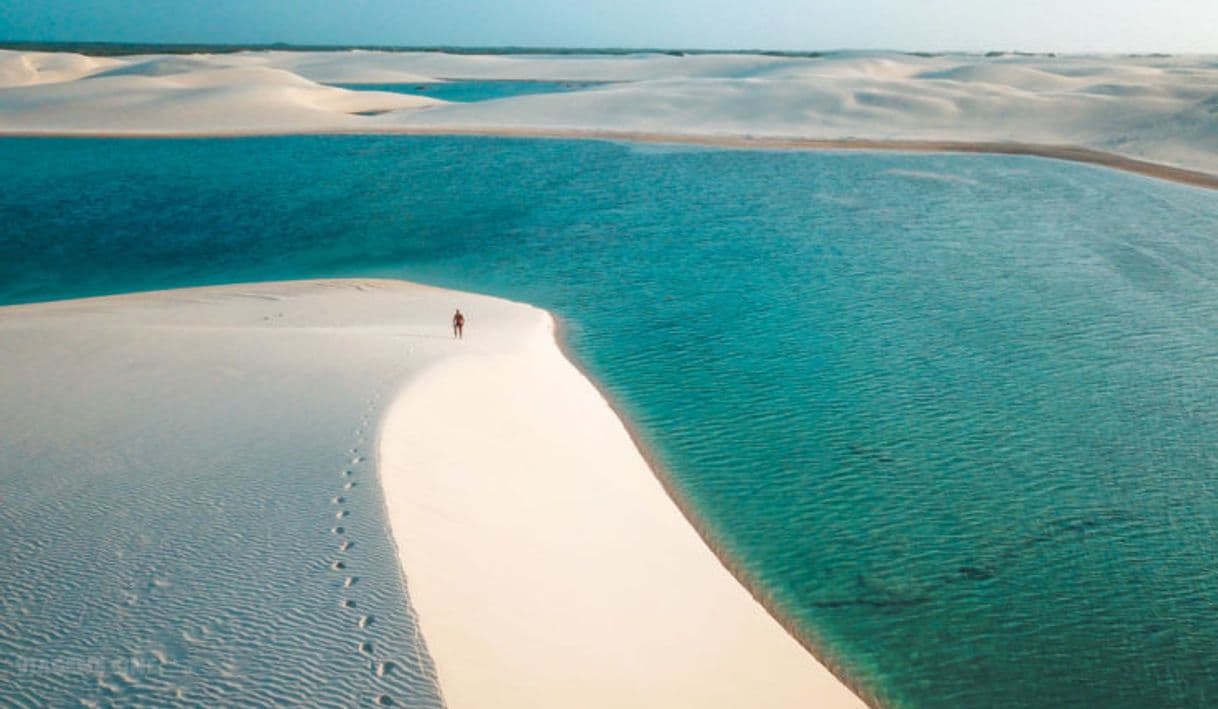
[(159, 66), (1151, 109), (1004, 75), (190, 96), (29, 68)]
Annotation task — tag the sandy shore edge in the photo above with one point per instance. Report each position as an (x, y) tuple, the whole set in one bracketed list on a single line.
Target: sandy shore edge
[(704, 529), (547, 561), (1068, 153)]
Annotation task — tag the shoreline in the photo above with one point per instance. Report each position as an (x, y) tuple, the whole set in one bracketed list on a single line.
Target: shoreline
[(538, 587), (702, 526), (1066, 153)]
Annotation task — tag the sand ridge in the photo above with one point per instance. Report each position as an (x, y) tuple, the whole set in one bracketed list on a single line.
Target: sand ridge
[(547, 563)]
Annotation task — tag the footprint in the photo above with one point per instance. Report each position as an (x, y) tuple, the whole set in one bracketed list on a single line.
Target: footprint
[(350, 581), (340, 514), (384, 700), (357, 460), (348, 473), (365, 647), (348, 603), (384, 668), (365, 621), (338, 500), (349, 485), (338, 566), (338, 530), (346, 545)]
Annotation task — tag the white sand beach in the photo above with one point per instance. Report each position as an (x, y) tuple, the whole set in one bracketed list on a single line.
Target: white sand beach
[(1159, 109), (545, 562)]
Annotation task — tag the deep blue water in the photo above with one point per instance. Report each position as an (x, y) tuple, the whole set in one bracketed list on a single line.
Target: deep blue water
[(470, 91), (956, 415)]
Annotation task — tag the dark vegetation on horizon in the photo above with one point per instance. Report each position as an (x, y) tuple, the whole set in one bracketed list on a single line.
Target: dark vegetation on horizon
[(118, 49)]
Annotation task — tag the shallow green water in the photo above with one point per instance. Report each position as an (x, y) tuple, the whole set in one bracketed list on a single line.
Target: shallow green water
[(957, 415)]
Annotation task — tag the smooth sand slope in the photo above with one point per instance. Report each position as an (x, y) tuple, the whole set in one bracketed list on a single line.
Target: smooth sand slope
[(178, 95), (549, 567), (1158, 109), (193, 476)]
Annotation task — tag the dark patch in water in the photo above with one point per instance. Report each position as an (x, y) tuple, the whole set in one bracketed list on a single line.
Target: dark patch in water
[(885, 603), (869, 453), (1053, 531), (976, 573)]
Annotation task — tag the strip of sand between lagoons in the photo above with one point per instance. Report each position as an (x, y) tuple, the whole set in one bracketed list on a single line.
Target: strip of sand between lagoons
[(1067, 153)]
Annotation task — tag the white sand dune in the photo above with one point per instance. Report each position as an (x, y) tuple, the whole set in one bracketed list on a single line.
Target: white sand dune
[(356, 67), (517, 67), (1159, 116), (1011, 76), (26, 68), (190, 96), (1158, 109), (547, 565), (167, 65), (173, 468)]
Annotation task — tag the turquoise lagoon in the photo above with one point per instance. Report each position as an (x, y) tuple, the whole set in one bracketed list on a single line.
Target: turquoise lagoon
[(466, 91), (956, 416)]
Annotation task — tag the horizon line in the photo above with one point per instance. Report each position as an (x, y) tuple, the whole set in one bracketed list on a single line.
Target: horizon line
[(128, 48)]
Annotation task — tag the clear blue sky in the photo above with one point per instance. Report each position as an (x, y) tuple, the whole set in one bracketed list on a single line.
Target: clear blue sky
[(1032, 25)]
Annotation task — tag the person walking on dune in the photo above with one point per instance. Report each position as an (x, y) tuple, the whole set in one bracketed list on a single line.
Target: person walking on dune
[(458, 324)]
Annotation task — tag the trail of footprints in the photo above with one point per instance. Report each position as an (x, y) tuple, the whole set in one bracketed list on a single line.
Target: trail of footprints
[(361, 621)]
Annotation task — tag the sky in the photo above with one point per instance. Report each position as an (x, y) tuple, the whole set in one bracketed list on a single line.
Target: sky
[(918, 25)]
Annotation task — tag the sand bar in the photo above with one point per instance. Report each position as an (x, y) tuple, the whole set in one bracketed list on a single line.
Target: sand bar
[(548, 566)]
